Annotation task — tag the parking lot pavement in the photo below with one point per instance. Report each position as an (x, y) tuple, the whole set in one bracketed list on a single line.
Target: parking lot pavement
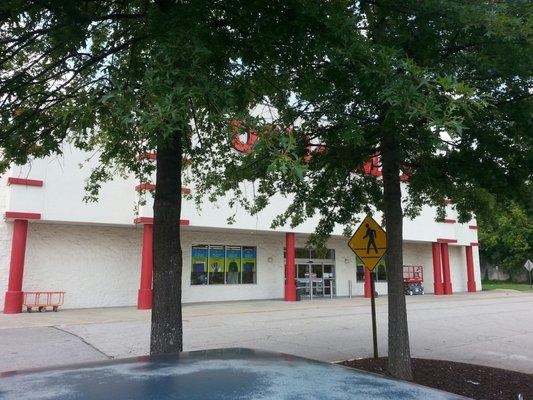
[(489, 328)]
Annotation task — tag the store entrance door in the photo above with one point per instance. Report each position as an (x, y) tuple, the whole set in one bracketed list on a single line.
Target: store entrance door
[(315, 279)]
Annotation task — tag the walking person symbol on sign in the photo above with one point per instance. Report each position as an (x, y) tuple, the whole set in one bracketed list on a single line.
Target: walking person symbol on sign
[(369, 242), (371, 235)]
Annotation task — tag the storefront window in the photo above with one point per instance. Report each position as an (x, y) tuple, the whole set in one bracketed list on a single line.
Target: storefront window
[(380, 272), (323, 254), (360, 273), (306, 253), (301, 252), (199, 265), (233, 260), (249, 261), (360, 270), (218, 265)]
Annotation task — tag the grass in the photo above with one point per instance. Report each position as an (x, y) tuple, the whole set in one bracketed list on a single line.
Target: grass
[(491, 285)]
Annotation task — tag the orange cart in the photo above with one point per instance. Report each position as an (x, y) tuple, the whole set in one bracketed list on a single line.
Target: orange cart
[(41, 300)]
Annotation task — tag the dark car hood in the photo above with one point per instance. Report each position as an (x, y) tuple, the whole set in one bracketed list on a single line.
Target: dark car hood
[(211, 374)]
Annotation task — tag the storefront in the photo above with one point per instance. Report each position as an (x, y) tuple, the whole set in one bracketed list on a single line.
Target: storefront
[(101, 254)]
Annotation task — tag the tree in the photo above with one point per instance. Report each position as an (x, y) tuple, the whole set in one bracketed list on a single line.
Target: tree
[(440, 91), (506, 236), (426, 86), (121, 78)]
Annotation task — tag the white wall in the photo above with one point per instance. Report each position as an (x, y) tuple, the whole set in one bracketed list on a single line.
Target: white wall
[(100, 266), (477, 269), (60, 200), (458, 268), (423, 228), (5, 241), (95, 266)]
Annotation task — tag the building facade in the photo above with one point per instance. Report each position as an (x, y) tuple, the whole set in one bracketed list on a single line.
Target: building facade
[(100, 253)]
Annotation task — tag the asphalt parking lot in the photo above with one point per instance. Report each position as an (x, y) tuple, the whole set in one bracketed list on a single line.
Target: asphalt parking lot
[(488, 328)]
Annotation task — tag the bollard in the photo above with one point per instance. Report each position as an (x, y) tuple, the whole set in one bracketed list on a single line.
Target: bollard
[(350, 289)]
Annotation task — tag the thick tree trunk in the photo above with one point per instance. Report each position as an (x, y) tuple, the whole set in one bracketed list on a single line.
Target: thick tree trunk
[(399, 353), (167, 328)]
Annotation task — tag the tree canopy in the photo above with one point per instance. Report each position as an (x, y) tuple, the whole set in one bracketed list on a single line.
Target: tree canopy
[(439, 91), (436, 91), (506, 237), (435, 74), (118, 79)]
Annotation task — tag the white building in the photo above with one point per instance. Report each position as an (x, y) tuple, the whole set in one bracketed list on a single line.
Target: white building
[(100, 253)]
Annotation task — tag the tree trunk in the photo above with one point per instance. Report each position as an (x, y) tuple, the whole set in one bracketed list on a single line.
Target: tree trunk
[(167, 328), (399, 353)]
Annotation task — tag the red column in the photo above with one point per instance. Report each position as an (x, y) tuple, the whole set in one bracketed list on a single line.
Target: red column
[(471, 280), (437, 270), (290, 267), (14, 295), (368, 284), (446, 269), (144, 299)]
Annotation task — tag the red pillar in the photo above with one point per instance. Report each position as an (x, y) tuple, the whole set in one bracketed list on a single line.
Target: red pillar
[(14, 294), (144, 299), (471, 280), (446, 268), (290, 267), (437, 270), (368, 284)]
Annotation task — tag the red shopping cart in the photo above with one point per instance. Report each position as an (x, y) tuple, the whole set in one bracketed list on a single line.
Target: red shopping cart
[(41, 300)]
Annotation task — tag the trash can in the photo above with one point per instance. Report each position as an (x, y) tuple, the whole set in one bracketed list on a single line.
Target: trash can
[(299, 293)]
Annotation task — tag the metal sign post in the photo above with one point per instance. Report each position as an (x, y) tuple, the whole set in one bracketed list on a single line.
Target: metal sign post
[(369, 243), (529, 266), (373, 310)]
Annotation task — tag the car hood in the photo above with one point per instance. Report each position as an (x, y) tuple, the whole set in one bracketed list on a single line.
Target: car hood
[(210, 374)]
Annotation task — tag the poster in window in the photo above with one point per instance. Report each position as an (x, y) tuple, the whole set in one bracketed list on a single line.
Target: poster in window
[(199, 265), (216, 259), (249, 264), (249, 259), (233, 264), (216, 265), (233, 259)]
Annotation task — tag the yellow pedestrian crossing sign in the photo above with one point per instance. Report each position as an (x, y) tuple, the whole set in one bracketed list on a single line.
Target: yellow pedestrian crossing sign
[(369, 242)]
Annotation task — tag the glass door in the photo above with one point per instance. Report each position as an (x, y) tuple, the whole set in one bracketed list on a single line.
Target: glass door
[(317, 282), (315, 278), (302, 279), (329, 280)]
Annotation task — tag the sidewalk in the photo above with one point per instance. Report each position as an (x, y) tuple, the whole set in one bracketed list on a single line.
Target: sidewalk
[(490, 328), (191, 310)]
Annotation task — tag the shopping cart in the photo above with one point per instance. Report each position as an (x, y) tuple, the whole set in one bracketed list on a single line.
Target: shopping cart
[(41, 300)]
